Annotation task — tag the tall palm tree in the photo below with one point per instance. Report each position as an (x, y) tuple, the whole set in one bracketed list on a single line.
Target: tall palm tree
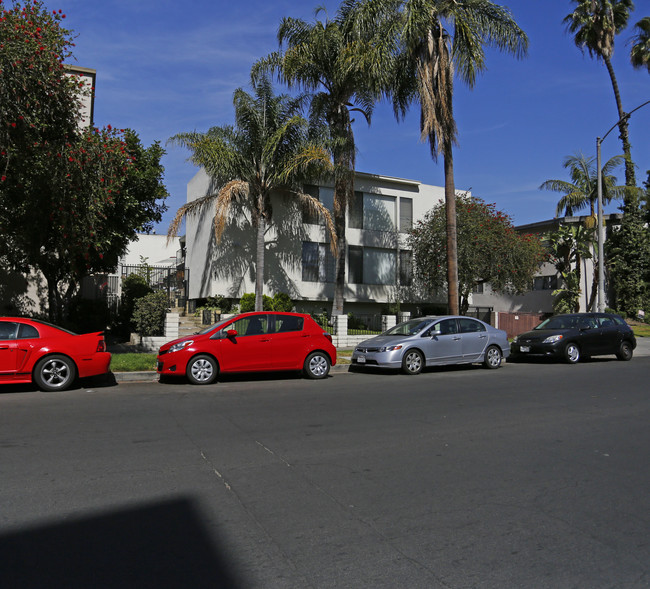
[(268, 149), (595, 24), (582, 191), (437, 40), (640, 53), (334, 64)]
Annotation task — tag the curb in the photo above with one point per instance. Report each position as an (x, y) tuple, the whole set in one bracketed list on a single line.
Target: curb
[(151, 376)]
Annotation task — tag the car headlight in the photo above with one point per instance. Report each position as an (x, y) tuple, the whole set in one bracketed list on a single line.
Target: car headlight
[(390, 348), (552, 339), (181, 345)]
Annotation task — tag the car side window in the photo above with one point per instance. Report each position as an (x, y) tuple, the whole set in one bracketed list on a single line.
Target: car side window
[(604, 321), (284, 323), (446, 326), (470, 326), (27, 332), (8, 330), (255, 325)]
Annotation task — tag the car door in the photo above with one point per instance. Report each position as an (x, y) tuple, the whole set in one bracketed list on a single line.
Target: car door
[(249, 350), (610, 336), (474, 337), (590, 339), (8, 331), (444, 347), (289, 342)]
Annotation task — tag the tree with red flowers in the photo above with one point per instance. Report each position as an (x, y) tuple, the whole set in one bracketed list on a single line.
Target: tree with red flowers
[(70, 199), (489, 250)]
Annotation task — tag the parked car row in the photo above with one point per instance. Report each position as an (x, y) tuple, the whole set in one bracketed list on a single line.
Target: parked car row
[(51, 357)]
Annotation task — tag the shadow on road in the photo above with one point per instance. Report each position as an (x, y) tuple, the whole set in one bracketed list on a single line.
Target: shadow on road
[(163, 545)]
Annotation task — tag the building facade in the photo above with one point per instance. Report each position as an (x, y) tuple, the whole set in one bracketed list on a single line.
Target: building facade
[(298, 257)]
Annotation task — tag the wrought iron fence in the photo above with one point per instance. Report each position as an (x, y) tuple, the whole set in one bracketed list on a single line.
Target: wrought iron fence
[(172, 280)]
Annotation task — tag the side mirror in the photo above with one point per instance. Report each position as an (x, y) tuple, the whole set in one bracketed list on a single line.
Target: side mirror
[(436, 333), (231, 333)]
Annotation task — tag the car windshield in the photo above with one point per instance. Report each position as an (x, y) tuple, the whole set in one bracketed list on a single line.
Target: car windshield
[(215, 326), (559, 322), (411, 327)]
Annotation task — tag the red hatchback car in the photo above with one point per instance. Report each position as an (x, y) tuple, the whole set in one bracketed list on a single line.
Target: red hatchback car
[(51, 357), (250, 342)]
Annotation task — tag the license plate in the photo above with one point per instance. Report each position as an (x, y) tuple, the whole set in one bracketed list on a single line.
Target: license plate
[(361, 359), (524, 348)]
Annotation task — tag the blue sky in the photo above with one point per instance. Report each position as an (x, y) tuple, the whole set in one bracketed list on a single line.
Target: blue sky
[(165, 67)]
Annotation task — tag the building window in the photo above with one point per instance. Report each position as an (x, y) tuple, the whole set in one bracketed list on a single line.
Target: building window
[(317, 262), (309, 216), (355, 264), (405, 214), (478, 288), (371, 265), (545, 283), (372, 211), (355, 216), (405, 268)]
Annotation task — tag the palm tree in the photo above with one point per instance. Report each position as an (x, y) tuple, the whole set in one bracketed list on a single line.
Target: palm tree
[(330, 60), (582, 191), (640, 53), (268, 149), (595, 24), (438, 39)]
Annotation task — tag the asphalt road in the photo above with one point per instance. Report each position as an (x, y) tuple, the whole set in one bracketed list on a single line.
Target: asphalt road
[(533, 475)]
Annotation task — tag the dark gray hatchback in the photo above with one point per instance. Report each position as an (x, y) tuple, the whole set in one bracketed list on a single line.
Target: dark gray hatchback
[(574, 336)]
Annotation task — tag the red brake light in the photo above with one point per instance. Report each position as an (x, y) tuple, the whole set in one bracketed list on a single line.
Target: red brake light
[(328, 336), (101, 346)]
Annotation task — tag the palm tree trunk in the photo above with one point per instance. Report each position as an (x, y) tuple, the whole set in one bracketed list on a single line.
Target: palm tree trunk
[(259, 254), (452, 249), (341, 189), (630, 177)]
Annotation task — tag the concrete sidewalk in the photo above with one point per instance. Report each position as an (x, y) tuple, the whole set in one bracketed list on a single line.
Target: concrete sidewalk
[(642, 349)]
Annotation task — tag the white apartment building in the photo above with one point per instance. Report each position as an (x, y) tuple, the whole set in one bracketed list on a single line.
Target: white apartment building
[(298, 259)]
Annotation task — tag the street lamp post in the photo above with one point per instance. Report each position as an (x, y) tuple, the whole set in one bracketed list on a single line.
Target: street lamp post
[(601, 232)]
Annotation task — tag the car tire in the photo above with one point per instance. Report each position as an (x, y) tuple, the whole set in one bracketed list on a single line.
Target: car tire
[(572, 353), (317, 365), (202, 369), (412, 362), (55, 373), (493, 357), (625, 351)]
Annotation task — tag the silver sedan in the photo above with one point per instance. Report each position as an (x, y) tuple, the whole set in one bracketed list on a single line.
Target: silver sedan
[(434, 341)]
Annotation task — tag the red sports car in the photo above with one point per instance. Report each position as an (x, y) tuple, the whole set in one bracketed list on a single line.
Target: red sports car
[(51, 357), (250, 342)]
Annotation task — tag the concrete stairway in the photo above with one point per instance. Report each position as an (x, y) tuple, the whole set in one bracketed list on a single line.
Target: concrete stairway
[(189, 325)]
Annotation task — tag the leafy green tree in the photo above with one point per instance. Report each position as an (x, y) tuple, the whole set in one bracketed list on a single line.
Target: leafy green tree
[(70, 199), (437, 40), (268, 149), (344, 72), (582, 191), (568, 246), (640, 53), (628, 255), (595, 24), (489, 250)]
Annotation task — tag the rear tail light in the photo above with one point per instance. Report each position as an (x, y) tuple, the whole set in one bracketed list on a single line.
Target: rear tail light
[(101, 346), (328, 336)]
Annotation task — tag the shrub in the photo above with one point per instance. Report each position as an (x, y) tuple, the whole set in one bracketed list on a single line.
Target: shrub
[(282, 302), (247, 303), (134, 287), (149, 314)]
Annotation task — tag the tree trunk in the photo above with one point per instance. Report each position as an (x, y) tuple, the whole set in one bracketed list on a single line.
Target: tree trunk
[(341, 190), (630, 176), (452, 249), (259, 254)]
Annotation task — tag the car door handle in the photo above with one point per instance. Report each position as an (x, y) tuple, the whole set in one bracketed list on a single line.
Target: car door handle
[(456, 338), (482, 336)]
